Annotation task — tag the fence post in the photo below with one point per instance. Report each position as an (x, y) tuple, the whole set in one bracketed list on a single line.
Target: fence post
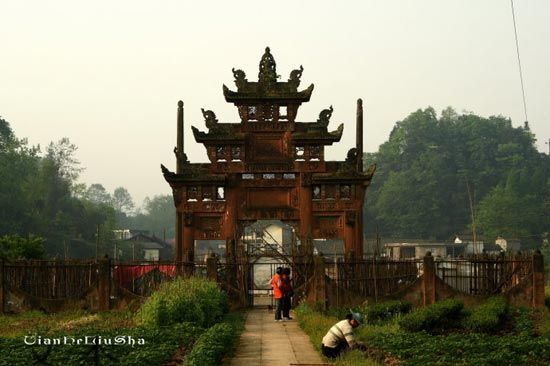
[(319, 281), (2, 299), (104, 283), (212, 268), (428, 280), (538, 280)]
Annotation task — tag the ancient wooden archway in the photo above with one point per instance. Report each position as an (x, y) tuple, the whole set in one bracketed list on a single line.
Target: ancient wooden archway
[(268, 166)]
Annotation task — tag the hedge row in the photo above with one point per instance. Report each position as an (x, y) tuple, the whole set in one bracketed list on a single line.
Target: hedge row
[(488, 316), (211, 346), (195, 300), (386, 310), (439, 316)]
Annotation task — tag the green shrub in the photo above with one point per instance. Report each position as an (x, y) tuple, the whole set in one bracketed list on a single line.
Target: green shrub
[(385, 310), (488, 316), (439, 316), (194, 300), (211, 346)]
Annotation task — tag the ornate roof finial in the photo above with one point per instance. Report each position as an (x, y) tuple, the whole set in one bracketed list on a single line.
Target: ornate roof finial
[(268, 72), (209, 118), (324, 117), (295, 75), (240, 78)]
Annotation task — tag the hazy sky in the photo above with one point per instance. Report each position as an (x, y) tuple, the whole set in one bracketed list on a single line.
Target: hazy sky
[(108, 74)]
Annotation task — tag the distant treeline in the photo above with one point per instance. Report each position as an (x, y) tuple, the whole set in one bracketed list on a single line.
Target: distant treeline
[(45, 212), (442, 175)]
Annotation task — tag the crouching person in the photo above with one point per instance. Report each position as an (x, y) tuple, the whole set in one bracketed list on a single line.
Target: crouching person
[(340, 336)]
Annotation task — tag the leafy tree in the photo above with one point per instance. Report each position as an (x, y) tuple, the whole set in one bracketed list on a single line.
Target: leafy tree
[(15, 247), (122, 201), (96, 193), (431, 166)]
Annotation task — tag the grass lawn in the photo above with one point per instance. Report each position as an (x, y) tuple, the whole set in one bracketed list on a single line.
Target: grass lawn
[(37, 321)]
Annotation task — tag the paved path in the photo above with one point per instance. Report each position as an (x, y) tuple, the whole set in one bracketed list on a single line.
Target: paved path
[(265, 342)]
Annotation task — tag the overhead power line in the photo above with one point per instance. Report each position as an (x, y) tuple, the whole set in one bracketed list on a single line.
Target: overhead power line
[(519, 60)]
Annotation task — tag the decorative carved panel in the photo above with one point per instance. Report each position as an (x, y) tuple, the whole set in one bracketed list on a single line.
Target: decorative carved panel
[(268, 198), (209, 227), (267, 149)]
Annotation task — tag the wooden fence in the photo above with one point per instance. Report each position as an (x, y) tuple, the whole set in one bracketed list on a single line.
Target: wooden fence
[(106, 281), (50, 279), (373, 277), (484, 275)]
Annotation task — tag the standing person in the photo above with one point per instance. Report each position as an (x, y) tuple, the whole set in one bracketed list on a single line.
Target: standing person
[(288, 292), (276, 284), (340, 336)]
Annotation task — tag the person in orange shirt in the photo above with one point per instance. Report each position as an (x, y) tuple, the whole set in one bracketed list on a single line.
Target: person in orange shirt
[(276, 284)]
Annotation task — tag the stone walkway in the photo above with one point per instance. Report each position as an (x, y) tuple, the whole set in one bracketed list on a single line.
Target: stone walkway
[(265, 342)]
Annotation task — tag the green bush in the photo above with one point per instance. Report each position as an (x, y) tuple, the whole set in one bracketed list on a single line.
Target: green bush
[(385, 310), (211, 346), (194, 300), (439, 316), (488, 316)]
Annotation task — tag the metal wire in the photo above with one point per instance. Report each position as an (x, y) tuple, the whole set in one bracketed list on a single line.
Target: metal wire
[(519, 60)]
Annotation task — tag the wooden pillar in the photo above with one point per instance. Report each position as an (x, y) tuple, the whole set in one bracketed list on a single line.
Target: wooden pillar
[(538, 280), (230, 219), (428, 280), (104, 284), (350, 233), (188, 237), (212, 268), (306, 210), (318, 290), (359, 234), (179, 236)]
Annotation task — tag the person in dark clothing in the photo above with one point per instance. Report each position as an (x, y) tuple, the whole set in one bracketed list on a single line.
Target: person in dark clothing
[(288, 292)]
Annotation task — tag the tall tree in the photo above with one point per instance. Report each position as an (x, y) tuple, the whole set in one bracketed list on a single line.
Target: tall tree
[(431, 166), (122, 201)]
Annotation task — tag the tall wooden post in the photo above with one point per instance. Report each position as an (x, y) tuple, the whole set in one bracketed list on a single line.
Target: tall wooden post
[(538, 280), (179, 152), (360, 191), (104, 284), (359, 135), (428, 280)]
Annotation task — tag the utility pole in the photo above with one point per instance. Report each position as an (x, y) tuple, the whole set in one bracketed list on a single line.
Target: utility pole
[(472, 214), (97, 242)]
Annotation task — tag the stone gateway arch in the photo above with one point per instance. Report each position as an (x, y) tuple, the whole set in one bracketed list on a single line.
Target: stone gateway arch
[(268, 167)]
